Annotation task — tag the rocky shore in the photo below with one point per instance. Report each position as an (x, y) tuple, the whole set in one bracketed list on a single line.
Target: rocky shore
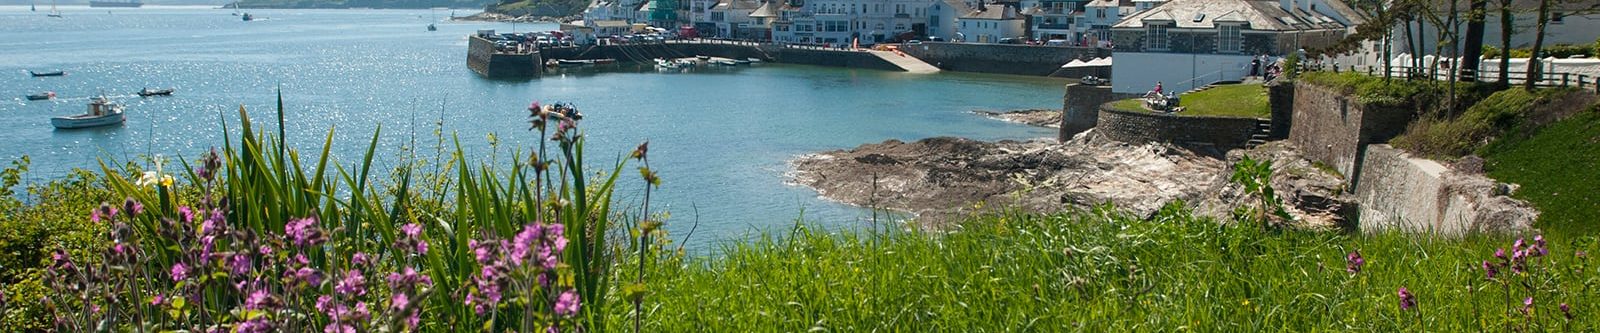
[(939, 179), (1035, 117)]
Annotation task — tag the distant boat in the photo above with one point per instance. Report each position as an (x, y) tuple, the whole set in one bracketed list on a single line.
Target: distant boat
[(573, 63), (247, 17), (53, 11), (115, 4), (102, 112), (606, 61), (42, 96), (55, 73), (147, 92), (741, 61), (33, 7), (754, 60), (432, 18), (432, 28)]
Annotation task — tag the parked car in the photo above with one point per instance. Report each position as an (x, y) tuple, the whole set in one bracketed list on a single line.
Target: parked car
[(1013, 40), (913, 42), (1057, 42), (935, 39)]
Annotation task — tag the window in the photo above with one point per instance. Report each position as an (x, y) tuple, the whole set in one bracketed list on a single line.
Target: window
[(1556, 17), (933, 21), (1228, 39), (1100, 13), (1155, 36)]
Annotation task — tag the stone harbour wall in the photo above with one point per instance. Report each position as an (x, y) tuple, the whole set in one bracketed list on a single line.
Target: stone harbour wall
[(482, 59), (773, 53), (1000, 58), (1333, 128), (1137, 126)]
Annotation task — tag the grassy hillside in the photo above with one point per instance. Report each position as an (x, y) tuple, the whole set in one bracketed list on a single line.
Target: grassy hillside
[(1559, 170)]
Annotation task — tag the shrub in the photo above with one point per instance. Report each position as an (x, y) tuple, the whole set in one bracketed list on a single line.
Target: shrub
[(1447, 136)]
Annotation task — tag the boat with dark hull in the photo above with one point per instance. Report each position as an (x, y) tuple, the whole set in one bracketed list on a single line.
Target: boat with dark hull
[(147, 92), (41, 74), (48, 95)]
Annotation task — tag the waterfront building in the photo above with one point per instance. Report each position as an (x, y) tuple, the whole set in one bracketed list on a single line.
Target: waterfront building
[(841, 22), (944, 18), (1097, 19), (1054, 19), (1191, 43), (991, 23), (629, 11), (729, 19)]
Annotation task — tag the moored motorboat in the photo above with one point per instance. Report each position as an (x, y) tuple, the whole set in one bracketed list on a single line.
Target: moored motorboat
[(572, 63), (42, 96), (702, 58), (753, 60), (741, 61), (55, 73), (102, 112), (724, 62), (147, 92), (605, 61)]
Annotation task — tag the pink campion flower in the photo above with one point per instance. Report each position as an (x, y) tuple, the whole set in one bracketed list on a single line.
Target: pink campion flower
[(1518, 245), (1538, 243), (1407, 300), (1501, 254), (422, 247), (238, 264), (1565, 310), (157, 300), (107, 211), (179, 272), (411, 230), (258, 325), (259, 299), (133, 207), (352, 283), (558, 236), (1490, 270), (1527, 304), (399, 302), (360, 259), (303, 232), (186, 214), (309, 275), (1353, 262), (567, 304)]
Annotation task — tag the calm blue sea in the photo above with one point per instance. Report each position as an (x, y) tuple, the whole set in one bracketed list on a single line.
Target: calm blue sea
[(720, 139)]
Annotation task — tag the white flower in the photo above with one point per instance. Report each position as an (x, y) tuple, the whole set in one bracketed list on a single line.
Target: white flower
[(154, 177)]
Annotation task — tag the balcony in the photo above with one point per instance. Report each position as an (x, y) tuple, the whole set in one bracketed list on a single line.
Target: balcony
[(1053, 26)]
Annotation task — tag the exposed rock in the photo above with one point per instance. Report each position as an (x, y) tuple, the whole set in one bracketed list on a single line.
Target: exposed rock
[(1312, 195), (1035, 117), (937, 177)]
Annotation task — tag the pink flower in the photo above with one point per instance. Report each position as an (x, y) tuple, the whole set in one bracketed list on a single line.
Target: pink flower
[(353, 283), (179, 272), (567, 304), (1407, 300), (1566, 310), (411, 230), (1353, 262), (399, 301)]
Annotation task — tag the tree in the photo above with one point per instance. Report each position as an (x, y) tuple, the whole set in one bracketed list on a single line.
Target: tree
[(1506, 20), (1473, 50), (1534, 74)]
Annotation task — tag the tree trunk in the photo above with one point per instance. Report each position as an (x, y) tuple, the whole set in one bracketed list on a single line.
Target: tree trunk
[(1506, 22), (1472, 51), (1411, 48), (1534, 72)]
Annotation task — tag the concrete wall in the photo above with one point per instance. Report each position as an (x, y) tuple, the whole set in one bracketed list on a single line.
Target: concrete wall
[(481, 58), (645, 52), (1420, 195), (1332, 128), (1222, 133), (1081, 108), (1000, 59), (1138, 72)]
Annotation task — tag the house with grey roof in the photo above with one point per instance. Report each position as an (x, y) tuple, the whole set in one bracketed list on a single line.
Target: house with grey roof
[(990, 23), (1235, 26)]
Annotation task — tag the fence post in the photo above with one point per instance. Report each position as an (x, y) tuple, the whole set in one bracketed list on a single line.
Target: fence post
[(1564, 79)]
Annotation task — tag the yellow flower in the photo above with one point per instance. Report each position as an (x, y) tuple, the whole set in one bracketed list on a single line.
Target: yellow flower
[(166, 180)]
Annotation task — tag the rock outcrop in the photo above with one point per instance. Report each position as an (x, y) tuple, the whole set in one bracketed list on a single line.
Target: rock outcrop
[(1036, 117)]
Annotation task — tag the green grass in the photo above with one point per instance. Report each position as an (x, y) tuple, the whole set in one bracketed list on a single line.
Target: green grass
[(1234, 100), (1446, 136), (1557, 170), (1096, 272)]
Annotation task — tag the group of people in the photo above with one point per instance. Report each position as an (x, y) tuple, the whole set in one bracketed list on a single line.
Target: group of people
[(1267, 67)]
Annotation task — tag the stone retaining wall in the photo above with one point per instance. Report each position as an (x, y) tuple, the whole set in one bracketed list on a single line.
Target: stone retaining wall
[(1331, 127), (1000, 58), (1420, 195), (1137, 126)]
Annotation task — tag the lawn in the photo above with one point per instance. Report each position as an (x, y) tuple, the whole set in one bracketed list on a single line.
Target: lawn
[(1557, 170), (1234, 100)]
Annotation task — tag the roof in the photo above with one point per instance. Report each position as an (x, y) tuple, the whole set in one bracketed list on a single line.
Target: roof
[(767, 9), (991, 12), (1109, 3), (1257, 14), (960, 6)]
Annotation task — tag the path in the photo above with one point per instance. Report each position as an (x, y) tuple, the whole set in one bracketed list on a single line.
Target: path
[(908, 63)]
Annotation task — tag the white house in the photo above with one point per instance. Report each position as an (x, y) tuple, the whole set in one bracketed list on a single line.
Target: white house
[(943, 17), (991, 23), (609, 10), (1098, 17)]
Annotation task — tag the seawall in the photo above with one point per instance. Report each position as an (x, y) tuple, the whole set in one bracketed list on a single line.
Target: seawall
[(766, 52), (1000, 58), (1221, 133), (483, 59), (1332, 127)]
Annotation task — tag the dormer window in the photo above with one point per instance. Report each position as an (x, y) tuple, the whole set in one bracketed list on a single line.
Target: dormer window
[(1155, 36)]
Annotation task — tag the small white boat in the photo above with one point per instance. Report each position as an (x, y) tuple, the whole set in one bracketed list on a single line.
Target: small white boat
[(724, 62), (685, 63), (753, 60), (102, 112)]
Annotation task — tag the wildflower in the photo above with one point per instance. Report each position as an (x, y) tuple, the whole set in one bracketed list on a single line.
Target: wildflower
[(411, 230), (567, 304), (1566, 310), (1580, 254), (309, 275), (157, 300), (257, 325), (1538, 243), (639, 153), (1500, 254), (353, 283), (399, 301), (260, 299), (1518, 245), (1407, 300), (1353, 262), (360, 259), (238, 264), (1490, 270), (304, 232), (1527, 304), (179, 272), (208, 165), (133, 207)]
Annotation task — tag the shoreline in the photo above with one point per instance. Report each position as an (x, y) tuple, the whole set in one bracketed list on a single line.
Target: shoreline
[(1047, 118)]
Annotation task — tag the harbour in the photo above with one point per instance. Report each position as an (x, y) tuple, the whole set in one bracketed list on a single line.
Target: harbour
[(728, 132)]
